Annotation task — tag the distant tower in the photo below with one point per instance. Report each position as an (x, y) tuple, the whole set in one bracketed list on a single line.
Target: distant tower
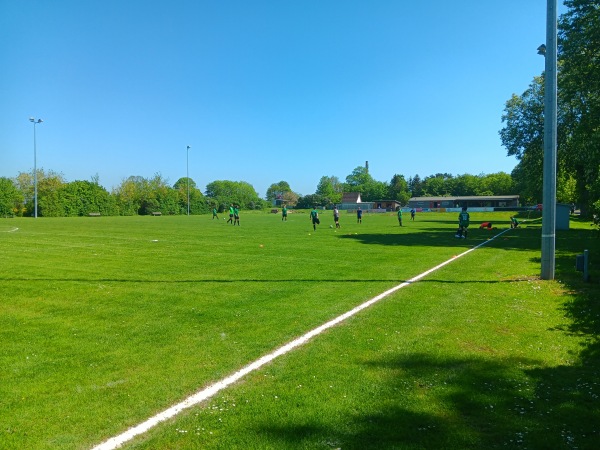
[(367, 166)]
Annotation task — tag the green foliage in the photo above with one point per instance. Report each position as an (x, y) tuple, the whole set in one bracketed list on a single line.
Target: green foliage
[(330, 189), (276, 190), (11, 200), (83, 197), (398, 190), (308, 201), (578, 113), (240, 193)]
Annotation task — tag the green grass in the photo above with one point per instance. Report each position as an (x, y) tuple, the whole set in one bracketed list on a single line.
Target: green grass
[(106, 321)]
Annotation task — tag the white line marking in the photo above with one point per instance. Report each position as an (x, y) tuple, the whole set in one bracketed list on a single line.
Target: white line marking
[(10, 231), (208, 392)]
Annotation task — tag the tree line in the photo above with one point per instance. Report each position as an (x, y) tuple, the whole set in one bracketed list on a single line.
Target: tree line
[(143, 196), (134, 196)]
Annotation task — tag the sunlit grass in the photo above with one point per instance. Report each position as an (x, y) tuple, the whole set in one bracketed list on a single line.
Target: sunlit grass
[(106, 321)]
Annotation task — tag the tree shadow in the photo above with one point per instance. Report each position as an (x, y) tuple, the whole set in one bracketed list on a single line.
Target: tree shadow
[(484, 402)]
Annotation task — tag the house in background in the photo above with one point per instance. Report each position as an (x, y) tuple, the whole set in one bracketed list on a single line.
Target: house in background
[(352, 200)]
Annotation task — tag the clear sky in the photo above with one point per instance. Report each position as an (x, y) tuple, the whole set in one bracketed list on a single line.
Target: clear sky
[(262, 90)]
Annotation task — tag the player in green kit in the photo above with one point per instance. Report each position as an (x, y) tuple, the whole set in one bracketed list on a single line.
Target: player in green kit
[(236, 215), (400, 217), (463, 223), (215, 214), (314, 216), (230, 214), (284, 213)]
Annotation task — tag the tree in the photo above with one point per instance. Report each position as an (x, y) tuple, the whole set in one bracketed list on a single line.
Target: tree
[(579, 82), (398, 189), (276, 191), (238, 192), (11, 200), (50, 196), (523, 137), (358, 178), (130, 194), (415, 186), (80, 198), (308, 201), (330, 189)]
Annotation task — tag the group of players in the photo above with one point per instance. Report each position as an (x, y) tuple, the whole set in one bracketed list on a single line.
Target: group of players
[(463, 218)]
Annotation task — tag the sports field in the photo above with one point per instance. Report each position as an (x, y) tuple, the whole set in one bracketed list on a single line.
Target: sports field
[(106, 322)]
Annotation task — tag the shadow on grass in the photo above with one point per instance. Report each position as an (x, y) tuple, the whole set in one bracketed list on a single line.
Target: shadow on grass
[(480, 403)]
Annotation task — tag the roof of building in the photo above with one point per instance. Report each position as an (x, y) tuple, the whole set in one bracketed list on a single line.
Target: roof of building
[(351, 197), (464, 197)]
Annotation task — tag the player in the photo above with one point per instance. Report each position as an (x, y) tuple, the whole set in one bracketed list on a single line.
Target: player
[(514, 223), (215, 214), (230, 214), (359, 215), (284, 214), (412, 214), (314, 216), (236, 215), (336, 217), (463, 223), (400, 216)]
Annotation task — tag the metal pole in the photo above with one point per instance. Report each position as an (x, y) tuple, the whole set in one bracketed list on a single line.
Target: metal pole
[(35, 195), (35, 200), (549, 182), (187, 176)]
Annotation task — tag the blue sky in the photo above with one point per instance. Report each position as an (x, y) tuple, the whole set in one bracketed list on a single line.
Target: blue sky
[(262, 90)]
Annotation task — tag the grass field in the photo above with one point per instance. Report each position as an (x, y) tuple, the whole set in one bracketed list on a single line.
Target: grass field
[(106, 321)]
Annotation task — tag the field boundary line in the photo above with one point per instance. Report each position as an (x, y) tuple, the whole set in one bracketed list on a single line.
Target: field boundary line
[(11, 231), (206, 393)]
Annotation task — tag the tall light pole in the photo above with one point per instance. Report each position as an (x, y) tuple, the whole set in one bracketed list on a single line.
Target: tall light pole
[(550, 121), (187, 176), (35, 196)]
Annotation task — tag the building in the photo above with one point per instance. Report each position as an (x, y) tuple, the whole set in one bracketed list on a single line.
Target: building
[(475, 201), (352, 200)]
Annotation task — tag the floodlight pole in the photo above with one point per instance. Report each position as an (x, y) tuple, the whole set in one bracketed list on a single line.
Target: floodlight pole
[(550, 124), (35, 195), (187, 176)]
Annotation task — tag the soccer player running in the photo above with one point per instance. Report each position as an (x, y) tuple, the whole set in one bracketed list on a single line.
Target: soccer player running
[(463, 223), (230, 214), (284, 214), (314, 216)]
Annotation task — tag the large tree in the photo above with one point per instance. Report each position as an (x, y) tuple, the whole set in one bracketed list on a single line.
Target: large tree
[(578, 113), (330, 189), (579, 92), (398, 189)]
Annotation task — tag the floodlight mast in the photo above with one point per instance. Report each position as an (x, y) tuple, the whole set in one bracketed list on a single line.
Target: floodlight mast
[(549, 51), (187, 176), (35, 195)]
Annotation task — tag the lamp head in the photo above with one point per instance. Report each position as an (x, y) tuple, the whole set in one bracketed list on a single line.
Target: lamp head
[(542, 50)]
